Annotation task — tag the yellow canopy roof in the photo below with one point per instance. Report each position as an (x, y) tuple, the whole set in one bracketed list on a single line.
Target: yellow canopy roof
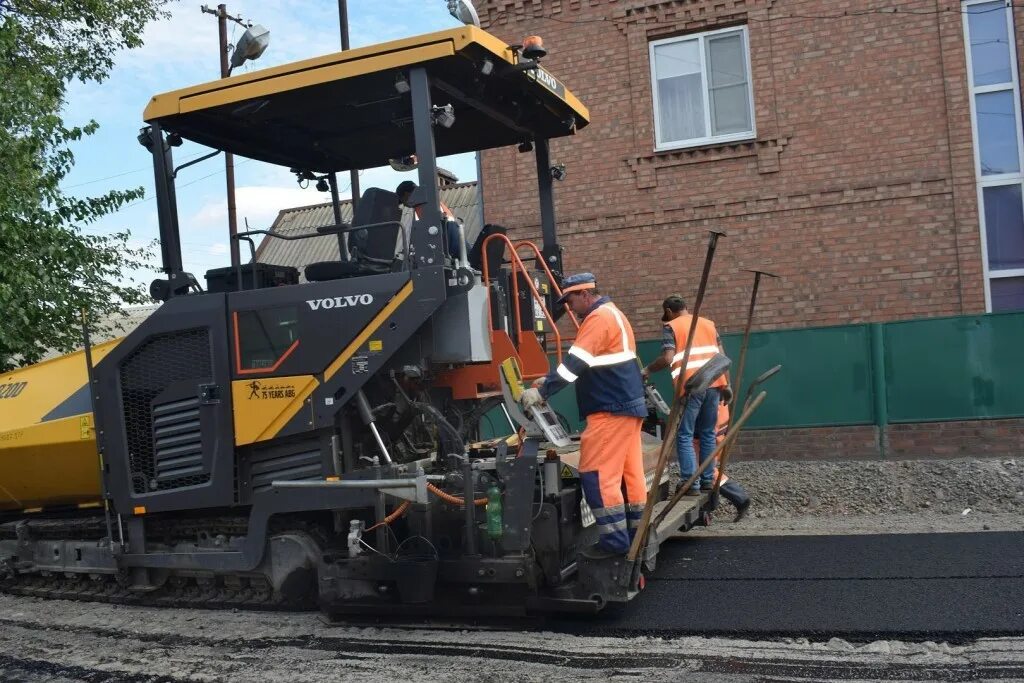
[(342, 111)]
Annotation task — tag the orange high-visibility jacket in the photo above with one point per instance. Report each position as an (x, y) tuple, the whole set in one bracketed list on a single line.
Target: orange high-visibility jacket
[(705, 345), (602, 363)]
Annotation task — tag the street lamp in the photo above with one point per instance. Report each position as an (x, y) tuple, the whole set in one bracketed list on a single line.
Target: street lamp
[(251, 45), (464, 11)]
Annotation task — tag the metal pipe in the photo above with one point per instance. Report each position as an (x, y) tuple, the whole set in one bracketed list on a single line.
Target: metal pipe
[(343, 253), (737, 385), (463, 254), (94, 403), (677, 407), (229, 158), (353, 483), (354, 173), (468, 506)]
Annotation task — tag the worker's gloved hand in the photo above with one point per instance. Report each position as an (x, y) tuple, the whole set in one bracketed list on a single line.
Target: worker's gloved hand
[(725, 393), (539, 382), (531, 397), (645, 374)]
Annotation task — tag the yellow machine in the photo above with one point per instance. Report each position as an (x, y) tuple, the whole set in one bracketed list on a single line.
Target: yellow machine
[(47, 441)]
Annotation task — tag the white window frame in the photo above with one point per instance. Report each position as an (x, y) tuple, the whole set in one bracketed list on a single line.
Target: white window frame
[(660, 146), (999, 179)]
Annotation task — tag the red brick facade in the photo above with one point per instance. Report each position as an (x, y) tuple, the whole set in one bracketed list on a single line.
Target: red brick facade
[(859, 189), (988, 438)]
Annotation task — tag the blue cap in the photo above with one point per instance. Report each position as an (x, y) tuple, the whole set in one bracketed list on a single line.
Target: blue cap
[(576, 283)]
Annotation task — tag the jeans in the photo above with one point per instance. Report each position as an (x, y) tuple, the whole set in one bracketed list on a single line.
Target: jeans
[(699, 419)]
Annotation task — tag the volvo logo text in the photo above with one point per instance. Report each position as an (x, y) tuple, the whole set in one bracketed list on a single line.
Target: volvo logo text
[(341, 301)]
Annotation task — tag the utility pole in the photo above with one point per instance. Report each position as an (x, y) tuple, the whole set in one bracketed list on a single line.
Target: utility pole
[(229, 159), (343, 20)]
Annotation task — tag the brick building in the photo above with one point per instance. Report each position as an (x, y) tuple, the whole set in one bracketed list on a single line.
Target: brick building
[(841, 144), (837, 151)]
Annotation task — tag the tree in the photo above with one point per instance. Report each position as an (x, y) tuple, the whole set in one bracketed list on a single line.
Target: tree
[(50, 270)]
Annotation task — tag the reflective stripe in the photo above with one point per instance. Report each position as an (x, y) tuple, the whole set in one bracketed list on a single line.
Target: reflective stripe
[(693, 364), (675, 373), (565, 374), (622, 327), (604, 359), (695, 351)]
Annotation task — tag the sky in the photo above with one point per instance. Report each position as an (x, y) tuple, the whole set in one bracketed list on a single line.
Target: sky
[(183, 51)]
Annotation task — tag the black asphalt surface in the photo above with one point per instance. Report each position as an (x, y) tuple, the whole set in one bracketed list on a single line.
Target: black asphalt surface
[(906, 585)]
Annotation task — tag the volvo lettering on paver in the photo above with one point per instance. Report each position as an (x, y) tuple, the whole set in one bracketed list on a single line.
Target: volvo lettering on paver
[(341, 301)]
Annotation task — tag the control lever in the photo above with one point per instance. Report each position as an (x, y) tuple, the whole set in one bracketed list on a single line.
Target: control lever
[(542, 417)]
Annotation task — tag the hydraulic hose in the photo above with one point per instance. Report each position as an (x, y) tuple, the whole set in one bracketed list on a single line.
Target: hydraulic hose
[(395, 514), (454, 500)]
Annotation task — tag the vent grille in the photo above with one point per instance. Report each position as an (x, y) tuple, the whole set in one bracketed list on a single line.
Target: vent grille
[(177, 440), (157, 364), (291, 467)]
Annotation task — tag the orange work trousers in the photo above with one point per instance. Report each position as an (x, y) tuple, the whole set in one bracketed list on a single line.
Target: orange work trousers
[(612, 461)]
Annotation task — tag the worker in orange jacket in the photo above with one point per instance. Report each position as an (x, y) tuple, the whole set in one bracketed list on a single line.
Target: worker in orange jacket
[(701, 410), (602, 363)]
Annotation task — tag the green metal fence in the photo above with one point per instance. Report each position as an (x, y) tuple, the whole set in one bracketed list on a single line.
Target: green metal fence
[(959, 368)]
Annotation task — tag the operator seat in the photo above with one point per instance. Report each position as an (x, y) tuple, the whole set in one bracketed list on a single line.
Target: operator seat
[(373, 250)]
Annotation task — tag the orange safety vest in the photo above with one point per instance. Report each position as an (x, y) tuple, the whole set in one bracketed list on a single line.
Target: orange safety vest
[(446, 213), (705, 345)]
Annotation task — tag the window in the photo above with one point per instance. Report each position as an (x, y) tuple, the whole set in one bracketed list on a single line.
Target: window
[(265, 338), (701, 87), (998, 149)]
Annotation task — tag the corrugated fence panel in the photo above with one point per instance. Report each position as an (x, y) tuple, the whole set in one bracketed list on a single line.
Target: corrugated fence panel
[(825, 377), (960, 368)]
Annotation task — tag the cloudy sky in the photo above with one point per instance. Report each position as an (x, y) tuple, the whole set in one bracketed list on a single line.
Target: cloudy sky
[(182, 51)]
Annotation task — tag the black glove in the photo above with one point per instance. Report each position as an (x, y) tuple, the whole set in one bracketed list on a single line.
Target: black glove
[(726, 394)]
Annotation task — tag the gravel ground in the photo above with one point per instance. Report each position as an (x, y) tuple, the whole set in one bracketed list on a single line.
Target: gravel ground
[(57, 641), (898, 496)]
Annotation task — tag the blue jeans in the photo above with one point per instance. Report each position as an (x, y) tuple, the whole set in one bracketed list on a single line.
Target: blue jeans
[(699, 419)]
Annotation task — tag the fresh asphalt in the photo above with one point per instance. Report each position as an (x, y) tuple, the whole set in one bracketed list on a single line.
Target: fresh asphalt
[(912, 586)]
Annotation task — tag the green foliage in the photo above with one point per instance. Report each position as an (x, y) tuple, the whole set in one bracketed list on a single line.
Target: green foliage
[(49, 268)]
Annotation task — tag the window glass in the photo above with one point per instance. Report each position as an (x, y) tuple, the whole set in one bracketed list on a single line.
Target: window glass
[(727, 83), (680, 90), (990, 49), (1007, 294), (1004, 226), (997, 132), (265, 336), (699, 80)]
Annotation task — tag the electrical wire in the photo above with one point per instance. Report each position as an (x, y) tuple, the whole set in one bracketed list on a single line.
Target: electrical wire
[(395, 514), (454, 500)]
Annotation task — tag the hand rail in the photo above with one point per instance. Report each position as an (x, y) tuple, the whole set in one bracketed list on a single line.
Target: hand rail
[(551, 277), (517, 262)]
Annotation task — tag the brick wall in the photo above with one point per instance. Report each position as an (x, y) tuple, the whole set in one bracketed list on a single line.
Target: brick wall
[(978, 438), (859, 189)]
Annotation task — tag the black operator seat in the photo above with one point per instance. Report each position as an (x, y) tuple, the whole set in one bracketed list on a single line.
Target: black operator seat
[(373, 250)]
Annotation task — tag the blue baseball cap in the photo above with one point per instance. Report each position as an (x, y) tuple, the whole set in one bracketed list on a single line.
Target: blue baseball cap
[(576, 283)]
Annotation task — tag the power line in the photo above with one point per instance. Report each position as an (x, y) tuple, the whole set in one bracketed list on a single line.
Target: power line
[(124, 173)]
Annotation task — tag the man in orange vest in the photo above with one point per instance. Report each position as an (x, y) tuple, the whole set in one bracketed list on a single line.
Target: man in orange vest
[(404, 192), (701, 410), (602, 363)]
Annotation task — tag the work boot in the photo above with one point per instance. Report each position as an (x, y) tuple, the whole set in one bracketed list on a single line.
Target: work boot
[(598, 552), (735, 494), (741, 511), (707, 485), (692, 492)]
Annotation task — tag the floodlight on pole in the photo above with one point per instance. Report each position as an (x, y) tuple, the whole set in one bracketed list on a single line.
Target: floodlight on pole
[(251, 45), (464, 11)]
